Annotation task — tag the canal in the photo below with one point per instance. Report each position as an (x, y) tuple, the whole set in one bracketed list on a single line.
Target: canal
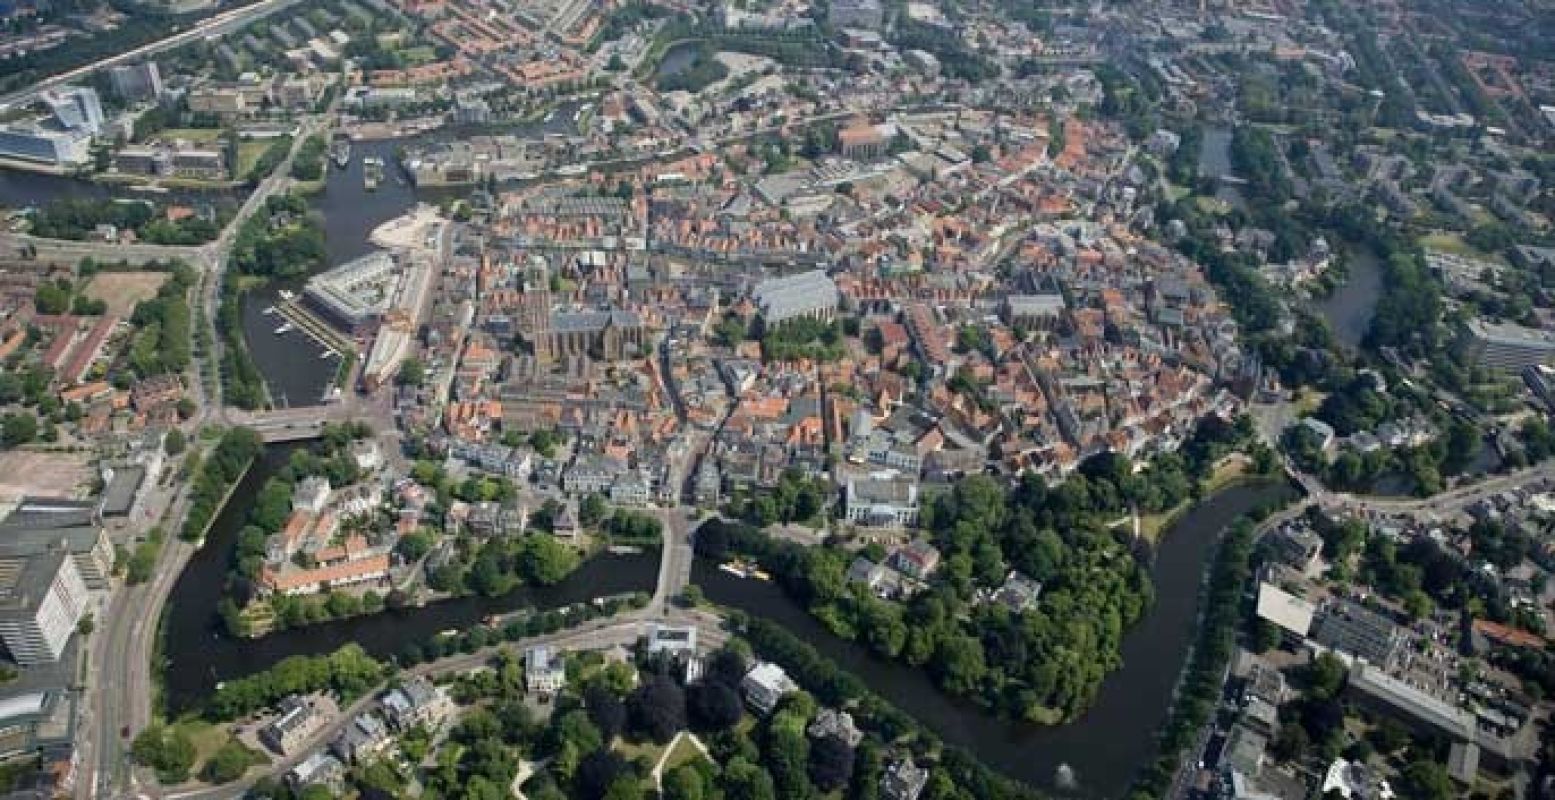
[(197, 654), (298, 370), (1103, 749), (1349, 308)]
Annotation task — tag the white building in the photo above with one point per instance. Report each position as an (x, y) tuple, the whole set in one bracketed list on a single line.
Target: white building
[(544, 673), (885, 503), (42, 599), (765, 685), (807, 294)]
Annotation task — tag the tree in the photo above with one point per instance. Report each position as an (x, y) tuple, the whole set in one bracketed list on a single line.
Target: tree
[(714, 705), (657, 709), (787, 756), (743, 780), (412, 372), (174, 442), (414, 545), (685, 782), (228, 763), (544, 561), (592, 510), (18, 428), (605, 709), (1426, 780), (831, 763), (1325, 676), (167, 750), (597, 773)]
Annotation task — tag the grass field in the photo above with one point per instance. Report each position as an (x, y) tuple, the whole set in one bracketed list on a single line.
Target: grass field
[(1454, 244), (207, 737), (249, 154), (123, 290), (205, 135), (681, 752), (416, 56)]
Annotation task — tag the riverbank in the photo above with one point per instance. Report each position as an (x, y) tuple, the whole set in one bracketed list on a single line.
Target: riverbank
[(197, 655), (1100, 751)]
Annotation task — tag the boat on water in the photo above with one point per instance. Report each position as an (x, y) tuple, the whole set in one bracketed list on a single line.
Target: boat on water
[(341, 153), (734, 569), (326, 355), (269, 310), (285, 328), (287, 294), (372, 173)]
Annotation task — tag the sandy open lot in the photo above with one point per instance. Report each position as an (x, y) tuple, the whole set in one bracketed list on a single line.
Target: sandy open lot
[(37, 474), (122, 290)]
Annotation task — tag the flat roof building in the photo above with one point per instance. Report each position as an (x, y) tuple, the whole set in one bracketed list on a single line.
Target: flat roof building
[(810, 294), (357, 293), (42, 599), (1505, 346)]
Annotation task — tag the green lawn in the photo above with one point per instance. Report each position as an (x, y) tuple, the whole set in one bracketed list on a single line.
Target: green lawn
[(1454, 244), (416, 56), (207, 737), (631, 751), (682, 752), (205, 135), (249, 154)]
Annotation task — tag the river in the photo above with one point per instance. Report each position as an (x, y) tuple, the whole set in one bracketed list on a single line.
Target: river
[(198, 655), (1106, 746)]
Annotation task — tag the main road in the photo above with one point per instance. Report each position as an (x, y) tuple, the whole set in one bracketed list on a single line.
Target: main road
[(120, 692), (215, 25)]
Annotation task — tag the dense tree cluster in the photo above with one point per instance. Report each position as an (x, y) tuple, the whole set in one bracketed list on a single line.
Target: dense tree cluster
[(284, 241), (167, 750), (633, 528), (802, 338), (1045, 664), (308, 164), (78, 220), (163, 335), (796, 498), (500, 564), (217, 473), (1201, 686), (347, 673)]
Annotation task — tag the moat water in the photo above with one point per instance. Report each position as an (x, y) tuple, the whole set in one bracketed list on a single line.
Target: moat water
[(1103, 749), (198, 654)]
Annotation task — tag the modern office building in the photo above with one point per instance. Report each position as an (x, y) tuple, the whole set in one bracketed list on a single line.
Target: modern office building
[(1506, 346), (136, 82), (810, 294), (42, 599), (38, 525), (76, 108), (38, 144)]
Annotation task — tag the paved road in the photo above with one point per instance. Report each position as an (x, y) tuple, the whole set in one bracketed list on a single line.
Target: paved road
[(119, 693), (73, 251), (212, 26), (1444, 503)]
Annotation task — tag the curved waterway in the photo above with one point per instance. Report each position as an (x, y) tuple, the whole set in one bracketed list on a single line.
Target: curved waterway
[(199, 655), (1105, 747)]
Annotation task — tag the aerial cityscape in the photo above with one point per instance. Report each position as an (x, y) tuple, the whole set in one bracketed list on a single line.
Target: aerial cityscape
[(777, 400)]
